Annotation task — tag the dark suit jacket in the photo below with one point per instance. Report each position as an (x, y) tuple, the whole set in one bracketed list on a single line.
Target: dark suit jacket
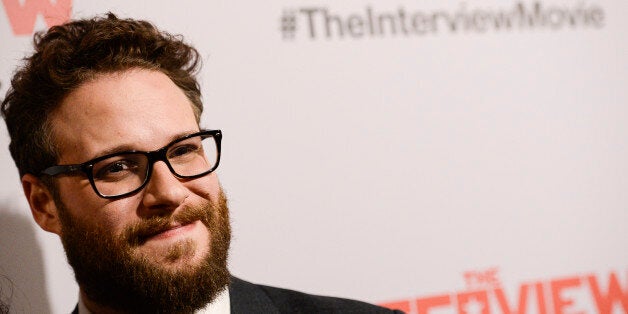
[(246, 298), (251, 298)]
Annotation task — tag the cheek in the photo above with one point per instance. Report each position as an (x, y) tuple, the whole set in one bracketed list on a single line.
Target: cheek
[(78, 197), (83, 204), (75, 189), (207, 187), (119, 214)]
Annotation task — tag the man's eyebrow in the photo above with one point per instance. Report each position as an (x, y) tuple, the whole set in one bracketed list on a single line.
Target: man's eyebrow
[(183, 134), (130, 147), (113, 150)]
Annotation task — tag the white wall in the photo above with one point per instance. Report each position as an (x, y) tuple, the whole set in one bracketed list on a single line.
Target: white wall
[(393, 166)]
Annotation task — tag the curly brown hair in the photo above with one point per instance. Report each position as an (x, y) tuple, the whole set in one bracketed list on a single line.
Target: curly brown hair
[(71, 54)]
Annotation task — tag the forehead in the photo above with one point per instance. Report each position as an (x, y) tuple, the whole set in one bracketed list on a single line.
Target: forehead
[(137, 109)]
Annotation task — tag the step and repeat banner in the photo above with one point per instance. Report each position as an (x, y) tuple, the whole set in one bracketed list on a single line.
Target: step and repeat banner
[(433, 156)]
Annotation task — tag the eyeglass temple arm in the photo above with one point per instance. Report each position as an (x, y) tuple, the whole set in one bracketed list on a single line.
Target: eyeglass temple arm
[(55, 170)]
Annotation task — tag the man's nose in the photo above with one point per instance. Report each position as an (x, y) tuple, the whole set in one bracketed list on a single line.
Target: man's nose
[(163, 191)]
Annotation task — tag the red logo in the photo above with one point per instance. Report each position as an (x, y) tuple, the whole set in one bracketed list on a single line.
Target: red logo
[(22, 17), (484, 292)]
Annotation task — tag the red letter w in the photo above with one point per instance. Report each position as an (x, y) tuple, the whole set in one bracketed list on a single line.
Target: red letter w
[(22, 17), (614, 295)]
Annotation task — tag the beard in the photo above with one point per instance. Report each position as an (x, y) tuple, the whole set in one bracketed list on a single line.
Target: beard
[(113, 276)]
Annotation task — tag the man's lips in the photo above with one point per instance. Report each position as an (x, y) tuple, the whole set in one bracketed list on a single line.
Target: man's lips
[(167, 231), (164, 227), (172, 231)]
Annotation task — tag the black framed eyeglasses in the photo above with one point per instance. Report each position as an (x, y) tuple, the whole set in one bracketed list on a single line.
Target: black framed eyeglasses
[(124, 173)]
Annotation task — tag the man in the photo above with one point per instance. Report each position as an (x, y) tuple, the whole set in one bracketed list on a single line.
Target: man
[(104, 125)]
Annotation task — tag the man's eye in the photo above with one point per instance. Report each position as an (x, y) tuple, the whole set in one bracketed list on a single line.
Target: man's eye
[(116, 169), (182, 150)]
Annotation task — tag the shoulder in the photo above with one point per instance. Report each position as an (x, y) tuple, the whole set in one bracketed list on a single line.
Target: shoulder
[(290, 301)]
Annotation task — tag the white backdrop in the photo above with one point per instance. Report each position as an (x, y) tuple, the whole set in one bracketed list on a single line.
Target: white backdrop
[(449, 156)]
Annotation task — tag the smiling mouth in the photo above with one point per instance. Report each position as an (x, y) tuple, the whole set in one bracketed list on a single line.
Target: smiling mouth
[(165, 232), (164, 227), (171, 231)]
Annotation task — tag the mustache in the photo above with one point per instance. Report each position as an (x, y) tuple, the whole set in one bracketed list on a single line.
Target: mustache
[(138, 233)]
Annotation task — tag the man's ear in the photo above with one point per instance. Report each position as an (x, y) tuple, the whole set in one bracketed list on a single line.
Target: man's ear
[(42, 204)]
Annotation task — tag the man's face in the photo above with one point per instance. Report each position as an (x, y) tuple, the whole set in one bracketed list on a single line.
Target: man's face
[(136, 110)]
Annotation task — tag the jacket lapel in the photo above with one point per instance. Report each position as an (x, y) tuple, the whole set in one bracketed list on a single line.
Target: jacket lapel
[(246, 297)]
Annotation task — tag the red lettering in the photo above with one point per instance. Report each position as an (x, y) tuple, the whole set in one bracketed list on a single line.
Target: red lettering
[(22, 17), (473, 302), (423, 305), (540, 297), (503, 303), (469, 278), (481, 279), (490, 277), (557, 287), (403, 305), (605, 302)]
